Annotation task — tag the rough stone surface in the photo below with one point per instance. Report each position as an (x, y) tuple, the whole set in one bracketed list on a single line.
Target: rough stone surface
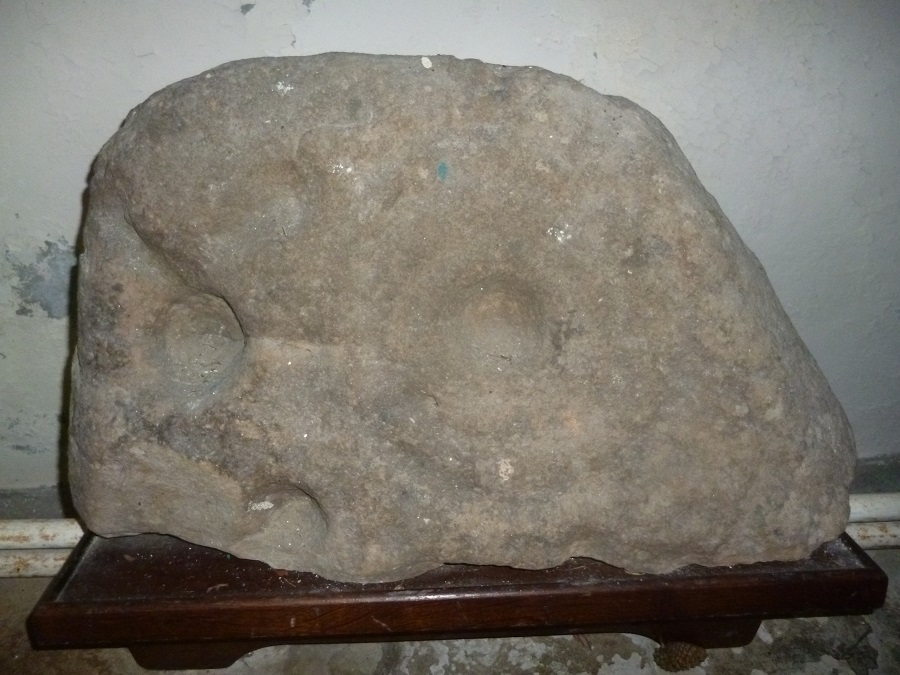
[(364, 315)]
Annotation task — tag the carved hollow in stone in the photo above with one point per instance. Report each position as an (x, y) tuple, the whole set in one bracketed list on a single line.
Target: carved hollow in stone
[(352, 315)]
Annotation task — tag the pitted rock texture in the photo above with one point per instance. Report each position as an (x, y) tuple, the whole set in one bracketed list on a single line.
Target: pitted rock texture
[(358, 316)]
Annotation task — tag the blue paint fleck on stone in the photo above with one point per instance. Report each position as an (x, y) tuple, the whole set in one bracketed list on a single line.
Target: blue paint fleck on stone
[(443, 171)]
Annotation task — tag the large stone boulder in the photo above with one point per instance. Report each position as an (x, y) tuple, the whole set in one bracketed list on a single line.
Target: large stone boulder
[(364, 315)]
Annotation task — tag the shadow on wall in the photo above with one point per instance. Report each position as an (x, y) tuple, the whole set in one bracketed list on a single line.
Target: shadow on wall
[(877, 474), (63, 488)]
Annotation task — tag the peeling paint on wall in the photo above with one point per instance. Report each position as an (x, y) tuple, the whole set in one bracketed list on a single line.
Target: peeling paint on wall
[(45, 282)]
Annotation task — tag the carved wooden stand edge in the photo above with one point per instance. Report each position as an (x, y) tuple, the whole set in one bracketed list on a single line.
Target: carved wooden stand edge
[(177, 605)]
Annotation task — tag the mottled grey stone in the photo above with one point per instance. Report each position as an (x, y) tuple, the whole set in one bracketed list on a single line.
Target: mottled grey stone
[(363, 315)]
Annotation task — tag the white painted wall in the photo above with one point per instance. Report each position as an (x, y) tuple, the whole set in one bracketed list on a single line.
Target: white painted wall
[(789, 111)]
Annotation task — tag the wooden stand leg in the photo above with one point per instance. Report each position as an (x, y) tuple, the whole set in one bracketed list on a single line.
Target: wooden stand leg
[(674, 657), (192, 655), (711, 633)]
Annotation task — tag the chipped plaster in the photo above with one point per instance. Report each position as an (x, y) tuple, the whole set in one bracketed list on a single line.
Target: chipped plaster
[(45, 282)]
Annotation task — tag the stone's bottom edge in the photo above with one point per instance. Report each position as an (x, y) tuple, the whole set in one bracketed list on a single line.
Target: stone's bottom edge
[(413, 569)]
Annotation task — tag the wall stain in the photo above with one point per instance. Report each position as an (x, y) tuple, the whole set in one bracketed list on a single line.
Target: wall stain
[(45, 283)]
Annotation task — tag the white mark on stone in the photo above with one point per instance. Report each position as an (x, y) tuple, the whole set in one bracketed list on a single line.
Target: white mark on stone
[(764, 634), (293, 622), (426, 62), (505, 469), (561, 234), (283, 88), (260, 506), (777, 412)]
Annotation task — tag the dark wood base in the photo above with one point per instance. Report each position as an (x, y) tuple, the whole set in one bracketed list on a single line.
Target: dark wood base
[(177, 605)]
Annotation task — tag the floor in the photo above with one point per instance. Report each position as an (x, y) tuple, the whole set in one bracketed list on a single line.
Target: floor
[(821, 646)]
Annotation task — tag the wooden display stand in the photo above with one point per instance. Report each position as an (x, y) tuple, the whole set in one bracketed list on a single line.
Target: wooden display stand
[(176, 605)]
